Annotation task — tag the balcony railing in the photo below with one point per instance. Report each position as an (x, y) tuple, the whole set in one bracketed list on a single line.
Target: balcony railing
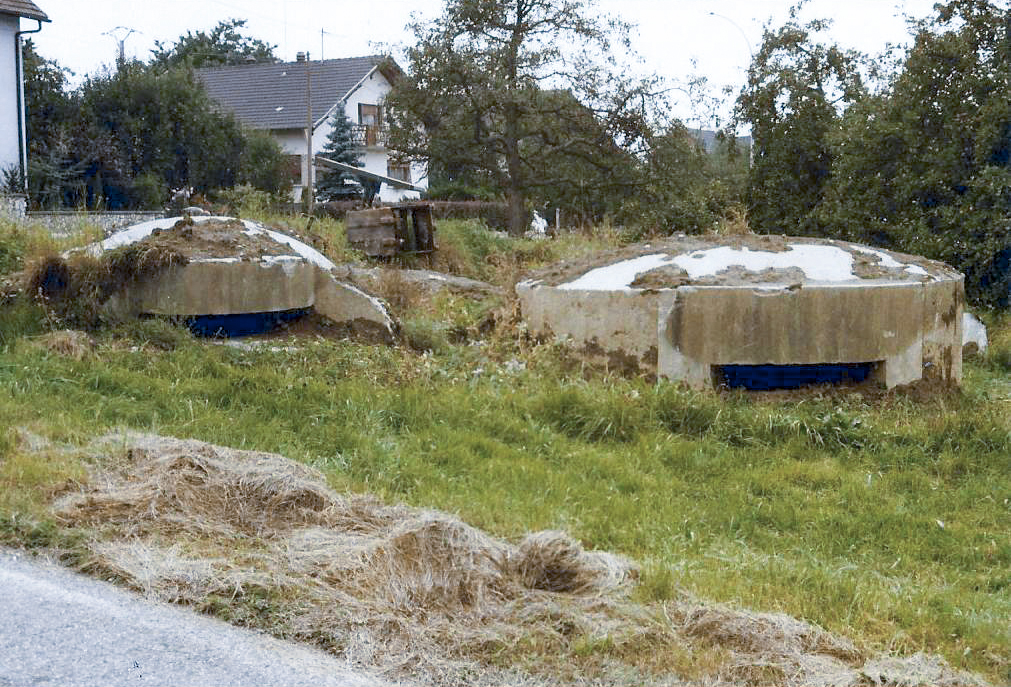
[(368, 136)]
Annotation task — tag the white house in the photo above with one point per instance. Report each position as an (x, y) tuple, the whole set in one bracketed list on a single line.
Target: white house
[(12, 109), (273, 97)]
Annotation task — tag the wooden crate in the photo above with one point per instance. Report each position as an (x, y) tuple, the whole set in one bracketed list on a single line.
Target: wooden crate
[(393, 230), (374, 232)]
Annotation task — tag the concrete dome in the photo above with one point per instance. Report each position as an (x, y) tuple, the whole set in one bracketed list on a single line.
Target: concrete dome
[(239, 267), (706, 309)]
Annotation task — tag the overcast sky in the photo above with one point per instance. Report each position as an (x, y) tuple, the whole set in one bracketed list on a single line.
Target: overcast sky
[(676, 38)]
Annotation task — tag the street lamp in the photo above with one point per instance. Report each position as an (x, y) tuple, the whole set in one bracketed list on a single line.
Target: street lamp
[(751, 53), (743, 35)]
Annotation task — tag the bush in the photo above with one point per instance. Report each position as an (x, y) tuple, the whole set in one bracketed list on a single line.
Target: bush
[(494, 214), (148, 192), (247, 201), (460, 191)]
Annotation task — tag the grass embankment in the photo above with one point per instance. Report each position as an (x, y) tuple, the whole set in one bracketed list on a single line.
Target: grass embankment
[(884, 519)]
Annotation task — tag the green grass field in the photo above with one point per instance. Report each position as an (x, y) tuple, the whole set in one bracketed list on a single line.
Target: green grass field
[(885, 518)]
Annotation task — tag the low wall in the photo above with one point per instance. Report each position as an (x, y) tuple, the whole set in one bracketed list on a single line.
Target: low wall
[(68, 222), (12, 206)]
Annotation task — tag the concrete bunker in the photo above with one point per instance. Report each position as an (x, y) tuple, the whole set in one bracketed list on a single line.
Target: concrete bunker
[(237, 277), (758, 312)]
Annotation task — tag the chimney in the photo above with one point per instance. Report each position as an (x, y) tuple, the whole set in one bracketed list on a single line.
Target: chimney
[(300, 57)]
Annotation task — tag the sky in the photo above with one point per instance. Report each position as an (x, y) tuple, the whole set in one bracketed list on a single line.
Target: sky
[(675, 38)]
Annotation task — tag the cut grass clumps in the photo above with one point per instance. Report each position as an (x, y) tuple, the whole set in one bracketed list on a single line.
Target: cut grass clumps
[(421, 595), (421, 591)]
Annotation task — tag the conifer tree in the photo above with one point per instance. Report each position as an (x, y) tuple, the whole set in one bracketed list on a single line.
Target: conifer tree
[(339, 147)]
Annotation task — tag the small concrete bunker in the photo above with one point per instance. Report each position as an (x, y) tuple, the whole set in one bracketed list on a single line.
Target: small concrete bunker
[(759, 312), (238, 276)]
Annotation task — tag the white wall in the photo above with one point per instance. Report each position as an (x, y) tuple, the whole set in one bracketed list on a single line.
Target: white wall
[(372, 91), (10, 152)]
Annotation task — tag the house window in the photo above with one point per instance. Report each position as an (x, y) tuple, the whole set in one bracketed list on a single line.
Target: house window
[(370, 124), (370, 115), (399, 171)]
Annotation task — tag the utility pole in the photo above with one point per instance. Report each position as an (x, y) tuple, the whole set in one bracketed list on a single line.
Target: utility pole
[(308, 137), (121, 42)]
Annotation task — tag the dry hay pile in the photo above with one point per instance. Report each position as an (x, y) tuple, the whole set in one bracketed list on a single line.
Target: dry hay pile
[(419, 594), (67, 342)]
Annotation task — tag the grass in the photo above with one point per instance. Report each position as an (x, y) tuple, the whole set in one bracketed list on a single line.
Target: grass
[(885, 520)]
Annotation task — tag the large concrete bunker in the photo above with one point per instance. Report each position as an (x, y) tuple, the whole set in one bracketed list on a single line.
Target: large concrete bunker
[(234, 273), (757, 311)]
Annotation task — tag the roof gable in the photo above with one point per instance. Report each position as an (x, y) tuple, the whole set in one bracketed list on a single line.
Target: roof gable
[(22, 8), (272, 96)]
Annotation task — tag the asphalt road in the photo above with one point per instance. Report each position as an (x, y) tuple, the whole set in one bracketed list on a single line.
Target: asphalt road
[(61, 628)]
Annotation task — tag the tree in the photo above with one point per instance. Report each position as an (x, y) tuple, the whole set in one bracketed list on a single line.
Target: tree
[(223, 46), (683, 187), (478, 95), (263, 164), (340, 147), (926, 166), (126, 137), (167, 132), (795, 89), (49, 110)]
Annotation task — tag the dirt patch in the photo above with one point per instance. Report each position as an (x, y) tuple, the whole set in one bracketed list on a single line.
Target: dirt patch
[(418, 594), (214, 239), (735, 275), (666, 277)]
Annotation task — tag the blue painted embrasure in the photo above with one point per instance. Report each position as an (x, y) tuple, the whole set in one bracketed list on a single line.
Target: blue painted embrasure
[(771, 377), (242, 324)]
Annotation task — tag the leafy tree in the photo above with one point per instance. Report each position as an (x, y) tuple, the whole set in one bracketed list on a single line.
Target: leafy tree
[(49, 111), (125, 138), (477, 100), (263, 164), (340, 147), (683, 187), (795, 88), (926, 166), (223, 45), (163, 124)]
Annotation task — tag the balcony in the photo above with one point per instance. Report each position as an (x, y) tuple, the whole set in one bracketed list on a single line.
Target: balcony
[(367, 136)]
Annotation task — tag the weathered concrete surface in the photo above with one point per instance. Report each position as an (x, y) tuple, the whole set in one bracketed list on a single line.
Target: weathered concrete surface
[(684, 314), (292, 276), (227, 288), (974, 339), (615, 324), (426, 282)]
